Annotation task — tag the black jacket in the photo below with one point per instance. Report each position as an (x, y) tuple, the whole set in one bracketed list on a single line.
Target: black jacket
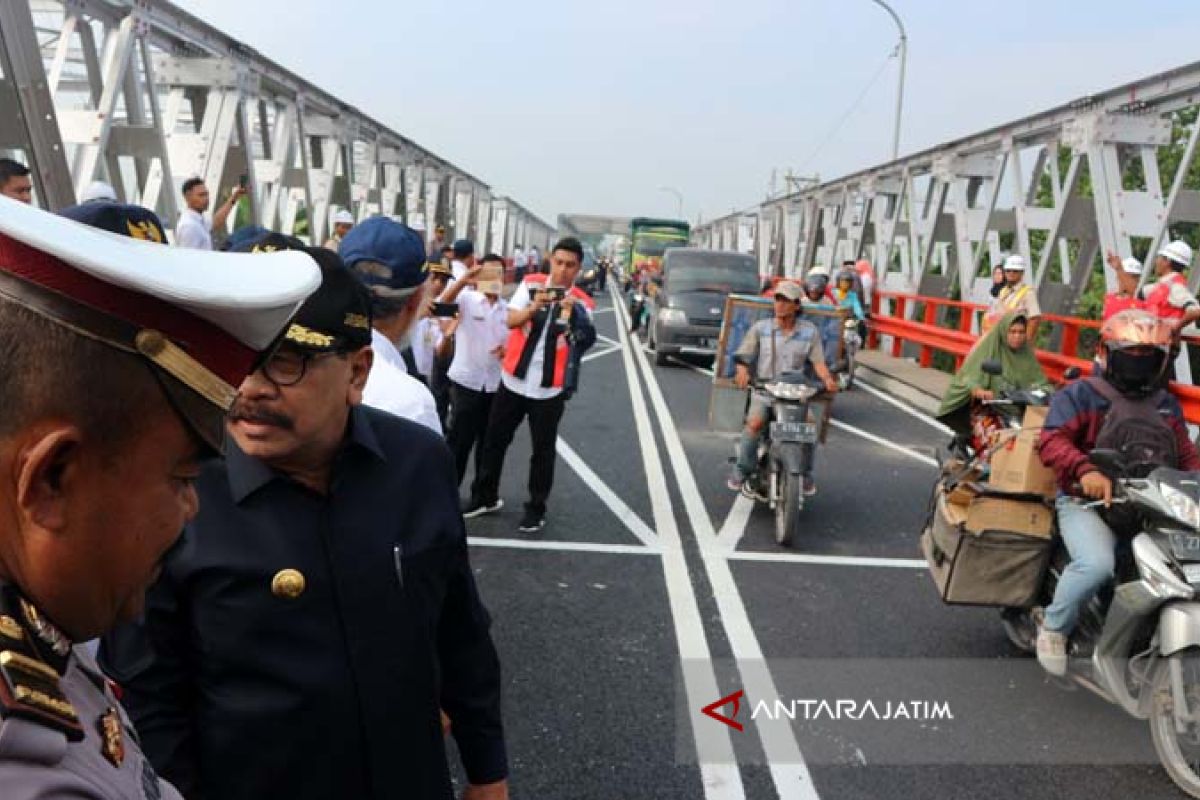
[(241, 692)]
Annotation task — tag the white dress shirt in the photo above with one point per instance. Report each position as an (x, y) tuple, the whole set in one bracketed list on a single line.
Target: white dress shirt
[(193, 231), (426, 339), (458, 268), (390, 388), (482, 327)]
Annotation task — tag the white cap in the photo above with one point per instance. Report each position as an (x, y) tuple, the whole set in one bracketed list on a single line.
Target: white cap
[(98, 190), (1015, 263), (249, 296), (1131, 266), (343, 217), (1178, 251)]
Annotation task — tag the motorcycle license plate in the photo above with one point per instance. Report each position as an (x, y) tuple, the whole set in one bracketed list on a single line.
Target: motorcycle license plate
[(803, 432), (1186, 546)]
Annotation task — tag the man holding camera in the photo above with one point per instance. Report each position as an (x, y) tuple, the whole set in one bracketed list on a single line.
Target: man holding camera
[(549, 331)]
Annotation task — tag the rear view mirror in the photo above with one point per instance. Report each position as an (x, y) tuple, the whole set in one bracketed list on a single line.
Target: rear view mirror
[(992, 367), (1108, 462), (1071, 373)]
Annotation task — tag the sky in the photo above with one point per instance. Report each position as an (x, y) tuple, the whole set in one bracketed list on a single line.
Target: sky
[(595, 107)]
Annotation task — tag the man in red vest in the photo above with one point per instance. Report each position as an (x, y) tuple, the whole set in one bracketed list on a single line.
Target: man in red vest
[(549, 331)]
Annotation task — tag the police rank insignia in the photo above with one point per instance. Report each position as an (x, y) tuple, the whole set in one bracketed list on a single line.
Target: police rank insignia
[(112, 739), (288, 584)]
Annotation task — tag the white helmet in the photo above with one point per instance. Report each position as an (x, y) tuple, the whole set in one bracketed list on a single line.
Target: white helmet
[(98, 190), (1014, 263), (1177, 251), (343, 217), (1131, 266)]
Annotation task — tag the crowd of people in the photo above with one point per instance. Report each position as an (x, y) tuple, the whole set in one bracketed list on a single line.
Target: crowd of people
[(322, 570)]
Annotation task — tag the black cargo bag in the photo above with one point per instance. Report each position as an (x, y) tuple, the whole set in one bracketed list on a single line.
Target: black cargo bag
[(990, 568)]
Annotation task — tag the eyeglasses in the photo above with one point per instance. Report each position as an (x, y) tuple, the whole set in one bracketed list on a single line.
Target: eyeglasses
[(287, 367)]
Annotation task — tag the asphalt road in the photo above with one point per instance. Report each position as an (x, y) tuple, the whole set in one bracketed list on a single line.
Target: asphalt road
[(654, 591)]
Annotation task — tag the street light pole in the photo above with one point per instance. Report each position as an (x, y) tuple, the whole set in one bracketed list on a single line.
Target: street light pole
[(903, 48), (678, 197)]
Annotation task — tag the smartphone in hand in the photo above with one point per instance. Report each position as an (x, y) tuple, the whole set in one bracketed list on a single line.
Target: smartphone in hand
[(446, 310)]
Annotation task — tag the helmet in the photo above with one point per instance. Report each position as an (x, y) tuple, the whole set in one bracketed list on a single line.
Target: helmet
[(1177, 251), (816, 283), (845, 274), (1014, 263), (1137, 348)]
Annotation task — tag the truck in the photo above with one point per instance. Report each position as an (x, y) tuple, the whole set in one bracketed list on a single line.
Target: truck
[(649, 238)]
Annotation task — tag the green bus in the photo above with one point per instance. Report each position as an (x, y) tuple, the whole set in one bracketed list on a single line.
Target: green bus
[(649, 239)]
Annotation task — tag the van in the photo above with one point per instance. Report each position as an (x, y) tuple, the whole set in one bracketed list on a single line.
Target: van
[(690, 301)]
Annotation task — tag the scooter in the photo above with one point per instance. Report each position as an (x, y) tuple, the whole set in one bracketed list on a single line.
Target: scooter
[(786, 449), (851, 342), (1138, 645)]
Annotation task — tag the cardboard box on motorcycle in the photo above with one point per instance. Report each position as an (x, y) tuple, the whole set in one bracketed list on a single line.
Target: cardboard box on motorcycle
[(1015, 463)]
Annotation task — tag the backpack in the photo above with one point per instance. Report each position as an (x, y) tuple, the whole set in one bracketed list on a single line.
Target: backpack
[(1135, 428)]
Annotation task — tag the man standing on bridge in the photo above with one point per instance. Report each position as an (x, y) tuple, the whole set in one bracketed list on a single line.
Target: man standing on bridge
[(1015, 297), (321, 608), (550, 330), (193, 230), (15, 182)]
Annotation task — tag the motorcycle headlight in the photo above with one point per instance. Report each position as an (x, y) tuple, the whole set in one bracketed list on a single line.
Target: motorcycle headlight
[(1182, 507), (1162, 577), (790, 391), (672, 316)]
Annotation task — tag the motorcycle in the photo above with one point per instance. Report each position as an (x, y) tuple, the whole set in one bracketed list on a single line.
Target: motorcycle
[(1137, 645), (785, 450), (851, 342)]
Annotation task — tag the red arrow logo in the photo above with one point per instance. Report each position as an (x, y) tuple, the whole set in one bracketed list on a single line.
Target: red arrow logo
[(735, 698)]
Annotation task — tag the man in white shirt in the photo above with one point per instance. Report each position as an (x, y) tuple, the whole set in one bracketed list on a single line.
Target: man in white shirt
[(464, 258), (549, 330), (430, 333), (389, 258), (520, 262), (481, 334), (193, 229)]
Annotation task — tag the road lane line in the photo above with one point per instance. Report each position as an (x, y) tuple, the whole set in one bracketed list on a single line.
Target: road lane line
[(719, 771), (879, 440), (735, 523), (608, 340), (840, 561), (607, 496), (606, 351), (907, 409), (571, 547), (787, 766), (692, 367)]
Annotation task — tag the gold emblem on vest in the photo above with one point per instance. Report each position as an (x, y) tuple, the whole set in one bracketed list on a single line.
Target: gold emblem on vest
[(111, 737), (10, 628), (288, 584)]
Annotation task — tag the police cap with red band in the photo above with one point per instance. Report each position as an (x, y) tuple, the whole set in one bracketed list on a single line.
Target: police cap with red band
[(201, 318)]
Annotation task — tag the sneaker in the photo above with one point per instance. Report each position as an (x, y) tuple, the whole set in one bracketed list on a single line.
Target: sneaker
[(477, 508), (810, 487), (532, 522), (751, 491), (1052, 651)]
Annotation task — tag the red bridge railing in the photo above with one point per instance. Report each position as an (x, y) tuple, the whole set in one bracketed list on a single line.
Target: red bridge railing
[(927, 322)]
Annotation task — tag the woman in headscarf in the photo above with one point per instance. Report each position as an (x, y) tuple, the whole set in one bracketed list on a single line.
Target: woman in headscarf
[(963, 408)]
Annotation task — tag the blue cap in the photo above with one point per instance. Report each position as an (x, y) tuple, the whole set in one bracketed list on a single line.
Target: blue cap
[(387, 256), (463, 248), (128, 220), (238, 240)]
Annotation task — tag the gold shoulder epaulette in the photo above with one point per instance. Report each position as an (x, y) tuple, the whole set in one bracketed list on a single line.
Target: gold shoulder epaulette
[(29, 688)]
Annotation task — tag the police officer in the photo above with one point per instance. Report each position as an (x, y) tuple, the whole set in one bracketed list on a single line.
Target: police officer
[(321, 609), (106, 419)]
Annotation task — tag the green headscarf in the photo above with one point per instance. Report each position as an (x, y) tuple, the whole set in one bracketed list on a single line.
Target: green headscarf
[(1021, 369)]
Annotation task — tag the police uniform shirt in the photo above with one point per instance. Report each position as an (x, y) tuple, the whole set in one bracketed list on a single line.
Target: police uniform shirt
[(100, 757), (295, 643)]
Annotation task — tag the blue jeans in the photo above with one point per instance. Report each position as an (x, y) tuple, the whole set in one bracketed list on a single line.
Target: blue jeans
[(760, 411), (1092, 546)]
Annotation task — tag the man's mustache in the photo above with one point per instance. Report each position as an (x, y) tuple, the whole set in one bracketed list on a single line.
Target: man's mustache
[(245, 412)]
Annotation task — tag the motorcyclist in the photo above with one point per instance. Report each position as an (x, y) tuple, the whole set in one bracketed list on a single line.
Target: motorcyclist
[(964, 408), (1134, 351), (783, 343), (844, 294), (817, 297)]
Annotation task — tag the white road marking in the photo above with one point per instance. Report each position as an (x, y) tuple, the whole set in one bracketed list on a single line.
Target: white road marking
[(571, 547), (735, 523), (719, 772), (606, 351), (692, 367), (788, 769), (607, 340), (602, 311), (607, 496), (879, 440), (839, 561), (907, 409)]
